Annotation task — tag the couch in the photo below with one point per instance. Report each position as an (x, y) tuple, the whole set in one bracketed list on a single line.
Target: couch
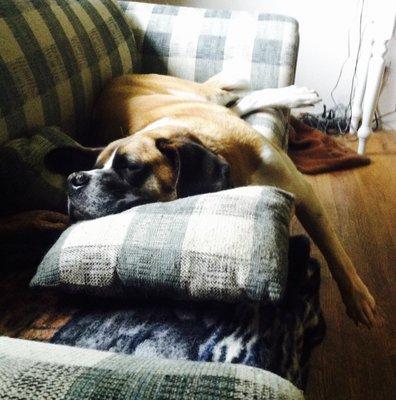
[(45, 336)]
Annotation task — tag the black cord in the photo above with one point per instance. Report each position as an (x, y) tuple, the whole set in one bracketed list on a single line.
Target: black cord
[(330, 121), (338, 119)]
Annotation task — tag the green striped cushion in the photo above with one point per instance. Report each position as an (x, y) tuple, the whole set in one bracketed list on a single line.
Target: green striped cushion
[(25, 182), (55, 57)]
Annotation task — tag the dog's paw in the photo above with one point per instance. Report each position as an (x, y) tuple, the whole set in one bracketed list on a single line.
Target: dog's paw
[(36, 221), (360, 304), (296, 96), (285, 97)]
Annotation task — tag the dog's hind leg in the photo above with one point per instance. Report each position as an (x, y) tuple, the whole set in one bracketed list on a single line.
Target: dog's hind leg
[(230, 80), (224, 88), (229, 86)]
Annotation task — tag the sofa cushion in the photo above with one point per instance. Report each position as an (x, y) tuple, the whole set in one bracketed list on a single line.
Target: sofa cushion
[(32, 370), (55, 58), (26, 183), (230, 245)]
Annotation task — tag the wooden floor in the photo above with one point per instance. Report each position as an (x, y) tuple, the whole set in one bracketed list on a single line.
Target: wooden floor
[(355, 363)]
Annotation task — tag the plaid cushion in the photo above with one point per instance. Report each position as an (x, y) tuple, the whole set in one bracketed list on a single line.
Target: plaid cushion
[(55, 57), (196, 43), (25, 182), (31, 370), (229, 245)]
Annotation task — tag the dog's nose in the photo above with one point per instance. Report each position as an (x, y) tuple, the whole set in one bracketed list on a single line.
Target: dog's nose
[(78, 179)]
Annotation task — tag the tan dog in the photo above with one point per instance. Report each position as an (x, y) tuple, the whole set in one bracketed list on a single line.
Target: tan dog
[(167, 138)]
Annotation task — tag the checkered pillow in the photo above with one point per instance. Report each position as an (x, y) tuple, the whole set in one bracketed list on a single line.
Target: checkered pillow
[(55, 57), (229, 246)]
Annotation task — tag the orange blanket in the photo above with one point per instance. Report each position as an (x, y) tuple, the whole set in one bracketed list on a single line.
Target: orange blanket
[(314, 152)]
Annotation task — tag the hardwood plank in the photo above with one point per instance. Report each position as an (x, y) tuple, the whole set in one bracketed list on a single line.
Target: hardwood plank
[(355, 363)]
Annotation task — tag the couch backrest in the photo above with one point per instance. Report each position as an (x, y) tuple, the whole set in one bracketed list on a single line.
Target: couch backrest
[(55, 58), (197, 43)]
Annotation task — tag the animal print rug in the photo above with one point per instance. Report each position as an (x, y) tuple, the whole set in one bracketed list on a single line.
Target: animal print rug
[(276, 338)]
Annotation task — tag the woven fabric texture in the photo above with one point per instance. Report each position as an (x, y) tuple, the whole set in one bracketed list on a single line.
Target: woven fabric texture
[(230, 245), (32, 370), (273, 124), (196, 43), (55, 58)]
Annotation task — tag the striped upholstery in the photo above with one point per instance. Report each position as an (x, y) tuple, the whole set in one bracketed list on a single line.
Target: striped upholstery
[(195, 44), (55, 57), (33, 371)]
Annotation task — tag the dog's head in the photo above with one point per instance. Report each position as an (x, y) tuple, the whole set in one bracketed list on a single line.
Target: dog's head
[(146, 167)]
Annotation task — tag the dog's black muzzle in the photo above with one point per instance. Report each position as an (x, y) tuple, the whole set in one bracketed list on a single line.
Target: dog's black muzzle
[(96, 193)]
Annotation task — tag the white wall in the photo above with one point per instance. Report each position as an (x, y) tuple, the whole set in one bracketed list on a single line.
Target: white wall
[(324, 29)]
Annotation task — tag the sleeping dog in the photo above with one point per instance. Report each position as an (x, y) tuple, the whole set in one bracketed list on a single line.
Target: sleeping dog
[(166, 138)]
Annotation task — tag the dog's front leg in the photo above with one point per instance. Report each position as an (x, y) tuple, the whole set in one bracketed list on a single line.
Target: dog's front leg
[(360, 304), (278, 170), (288, 97)]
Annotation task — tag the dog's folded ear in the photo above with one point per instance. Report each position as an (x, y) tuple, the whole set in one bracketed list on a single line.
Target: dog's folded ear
[(68, 159), (198, 170)]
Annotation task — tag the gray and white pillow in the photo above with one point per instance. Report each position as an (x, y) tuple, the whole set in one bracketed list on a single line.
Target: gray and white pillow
[(229, 246)]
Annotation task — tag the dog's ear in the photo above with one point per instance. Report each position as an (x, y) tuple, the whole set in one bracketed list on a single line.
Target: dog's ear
[(198, 169), (68, 159)]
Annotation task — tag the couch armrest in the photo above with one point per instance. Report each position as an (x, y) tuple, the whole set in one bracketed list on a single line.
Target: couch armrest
[(196, 43), (86, 373), (273, 124)]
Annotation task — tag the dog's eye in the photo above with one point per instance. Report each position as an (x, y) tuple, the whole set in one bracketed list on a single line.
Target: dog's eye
[(134, 167), (129, 170), (122, 162), (133, 173)]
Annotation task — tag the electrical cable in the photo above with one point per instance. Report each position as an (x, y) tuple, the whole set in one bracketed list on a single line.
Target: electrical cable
[(337, 119)]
